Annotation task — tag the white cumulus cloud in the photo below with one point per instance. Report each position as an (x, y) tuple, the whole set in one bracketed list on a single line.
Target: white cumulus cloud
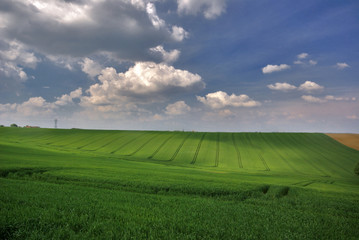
[(177, 108), (157, 22), (342, 65), (35, 106), (312, 99), (90, 67), (302, 55), (68, 98), (281, 86), (221, 99), (310, 86), (167, 57), (303, 59), (274, 68), (313, 62), (14, 56), (144, 82), (210, 8), (178, 33), (18, 54)]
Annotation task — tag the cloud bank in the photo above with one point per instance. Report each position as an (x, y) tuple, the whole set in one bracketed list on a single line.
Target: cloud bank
[(81, 28)]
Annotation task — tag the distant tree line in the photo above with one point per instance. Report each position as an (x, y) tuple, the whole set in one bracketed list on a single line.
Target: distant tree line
[(12, 125), (15, 125)]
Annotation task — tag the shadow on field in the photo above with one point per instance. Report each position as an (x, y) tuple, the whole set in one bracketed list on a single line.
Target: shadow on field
[(233, 194), (21, 173)]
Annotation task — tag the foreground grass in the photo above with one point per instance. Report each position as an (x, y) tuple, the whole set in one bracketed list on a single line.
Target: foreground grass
[(59, 193)]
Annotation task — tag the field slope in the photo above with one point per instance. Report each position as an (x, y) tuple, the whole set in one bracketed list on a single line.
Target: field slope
[(58, 183)]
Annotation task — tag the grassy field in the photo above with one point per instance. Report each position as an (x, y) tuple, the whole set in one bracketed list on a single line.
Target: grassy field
[(93, 184)]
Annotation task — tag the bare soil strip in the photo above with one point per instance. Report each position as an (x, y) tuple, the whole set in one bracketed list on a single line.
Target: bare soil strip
[(348, 139)]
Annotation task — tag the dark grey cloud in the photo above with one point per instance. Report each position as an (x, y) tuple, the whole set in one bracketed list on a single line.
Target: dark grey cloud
[(77, 29)]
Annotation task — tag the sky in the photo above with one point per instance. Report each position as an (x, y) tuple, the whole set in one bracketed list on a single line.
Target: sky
[(201, 65)]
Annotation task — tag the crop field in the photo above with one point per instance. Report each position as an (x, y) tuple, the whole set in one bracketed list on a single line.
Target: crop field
[(80, 184)]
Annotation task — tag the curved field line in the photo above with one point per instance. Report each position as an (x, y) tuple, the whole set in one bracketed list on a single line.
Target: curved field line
[(126, 143), (179, 147), (217, 152), (301, 182), (69, 143), (240, 165), (108, 143), (264, 162), (39, 138), (324, 157), (280, 156), (58, 138), (309, 183), (197, 150), (80, 147), (49, 137), (138, 149), (309, 162), (259, 155), (161, 146), (305, 183)]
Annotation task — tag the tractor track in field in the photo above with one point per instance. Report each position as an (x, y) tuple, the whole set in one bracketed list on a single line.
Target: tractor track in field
[(70, 143), (306, 183), (280, 156), (161, 146), (52, 141), (266, 167), (313, 149), (303, 157), (179, 147), (126, 143), (139, 148), (239, 158), (198, 148), (108, 143), (264, 162), (101, 138), (216, 163)]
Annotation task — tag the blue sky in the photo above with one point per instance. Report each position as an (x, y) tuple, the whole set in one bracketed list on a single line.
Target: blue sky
[(204, 65)]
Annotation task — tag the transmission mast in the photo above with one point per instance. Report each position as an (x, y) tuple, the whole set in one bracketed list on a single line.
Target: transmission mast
[(55, 122)]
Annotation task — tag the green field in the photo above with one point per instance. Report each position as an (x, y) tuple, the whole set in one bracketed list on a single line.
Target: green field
[(85, 184)]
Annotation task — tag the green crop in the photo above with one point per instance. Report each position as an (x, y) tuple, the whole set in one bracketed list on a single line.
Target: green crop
[(95, 184)]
